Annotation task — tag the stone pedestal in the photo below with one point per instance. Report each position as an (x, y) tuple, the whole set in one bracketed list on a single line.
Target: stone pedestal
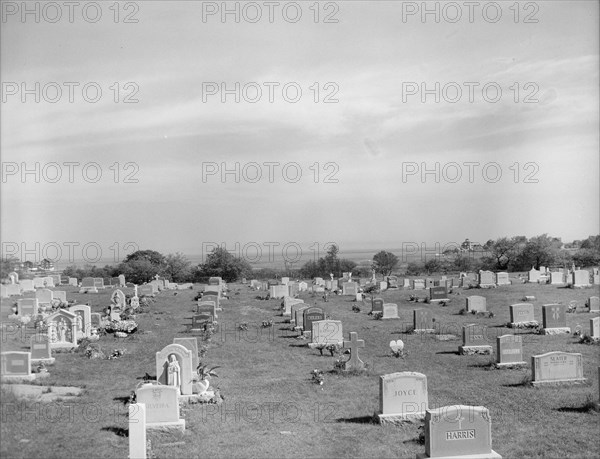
[(472, 350)]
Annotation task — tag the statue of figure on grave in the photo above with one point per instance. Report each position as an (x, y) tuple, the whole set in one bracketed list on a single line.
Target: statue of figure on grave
[(117, 301), (79, 323), (62, 330), (331, 274), (174, 372)]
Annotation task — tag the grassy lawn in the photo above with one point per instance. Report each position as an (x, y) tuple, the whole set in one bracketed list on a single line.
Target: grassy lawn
[(272, 409)]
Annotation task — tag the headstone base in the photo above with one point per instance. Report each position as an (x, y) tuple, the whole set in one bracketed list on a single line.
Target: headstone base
[(472, 350), (49, 361), (175, 426), (492, 455), (316, 345), (487, 285), (555, 331), (393, 317), (557, 382), (419, 331), (399, 419), (204, 397), (439, 300), (530, 324), (10, 378), (62, 345), (510, 365)]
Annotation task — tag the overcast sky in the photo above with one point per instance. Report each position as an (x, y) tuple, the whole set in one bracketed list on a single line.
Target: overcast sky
[(372, 144)]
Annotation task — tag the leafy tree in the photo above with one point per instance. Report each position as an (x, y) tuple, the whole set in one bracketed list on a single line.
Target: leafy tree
[(347, 266), (177, 267), (332, 262), (539, 250), (384, 262), (223, 264), (152, 256), (7, 265), (140, 270)]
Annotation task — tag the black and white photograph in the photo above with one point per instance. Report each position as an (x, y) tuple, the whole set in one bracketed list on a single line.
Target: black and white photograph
[(310, 228)]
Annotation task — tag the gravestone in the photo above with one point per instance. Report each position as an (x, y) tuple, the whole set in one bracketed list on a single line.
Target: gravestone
[(215, 281), (596, 274), (521, 315), (502, 278), (40, 349), (595, 328), (27, 285), (293, 289), (377, 305), (207, 307), (49, 281), (73, 282), (38, 282), (556, 367), (300, 316), (87, 282), (349, 288), (354, 363), (162, 406), (62, 329), (15, 366), (285, 280), (184, 359), (509, 350), (293, 308), (402, 397), (13, 290), (419, 284), (406, 283), (556, 278), (137, 431), (533, 276), (44, 296), (14, 277), (64, 280), (279, 291), (114, 282), (146, 290), (326, 332), (581, 278), (199, 321), (212, 296), (56, 279), (390, 311), (83, 320), (99, 282), (554, 318), (213, 289), (487, 279), (192, 345), (593, 303), (423, 321), (475, 340), (476, 303), (122, 282), (303, 286), (312, 315), (437, 294), (458, 432), (392, 282), (288, 302), (95, 319), (60, 295), (429, 282), (383, 286), (27, 306)]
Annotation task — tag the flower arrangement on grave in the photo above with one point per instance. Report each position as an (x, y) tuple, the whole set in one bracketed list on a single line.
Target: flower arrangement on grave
[(126, 326), (41, 368), (267, 323), (355, 308), (243, 326), (318, 377), (377, 315), (204, 374), (333, 349), (117, 353)]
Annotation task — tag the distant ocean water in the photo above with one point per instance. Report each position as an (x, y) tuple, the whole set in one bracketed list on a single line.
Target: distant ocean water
[(277, 260)]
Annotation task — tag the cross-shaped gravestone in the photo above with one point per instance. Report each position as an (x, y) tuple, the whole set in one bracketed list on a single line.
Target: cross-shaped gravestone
[(353, 345)]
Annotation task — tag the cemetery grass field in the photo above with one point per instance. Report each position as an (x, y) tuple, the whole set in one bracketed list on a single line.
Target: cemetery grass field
[(271, 407)]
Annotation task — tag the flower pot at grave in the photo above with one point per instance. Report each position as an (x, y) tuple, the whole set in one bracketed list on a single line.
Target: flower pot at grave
[(14, 309), (200, 387)]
